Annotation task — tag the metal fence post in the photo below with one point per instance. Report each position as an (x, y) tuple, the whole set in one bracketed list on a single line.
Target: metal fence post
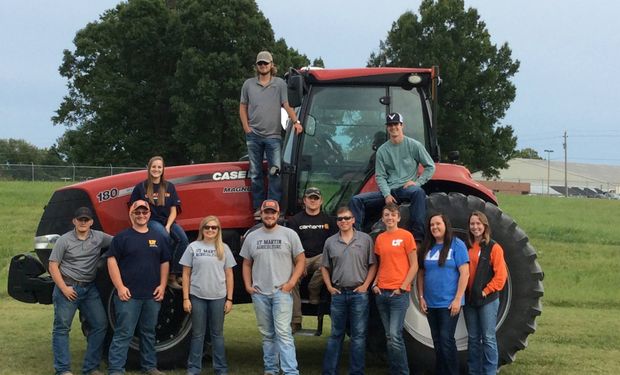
[(73, 178), (32, 166)]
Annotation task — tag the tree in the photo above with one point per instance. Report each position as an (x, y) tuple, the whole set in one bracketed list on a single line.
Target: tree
[(526, 153), (19, 151), (154, 77), (476, 89)]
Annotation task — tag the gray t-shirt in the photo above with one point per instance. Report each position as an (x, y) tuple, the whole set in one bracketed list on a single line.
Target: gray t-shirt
[(78, 258), (272, 253), (264, 104), (348, 263), (208, 277)]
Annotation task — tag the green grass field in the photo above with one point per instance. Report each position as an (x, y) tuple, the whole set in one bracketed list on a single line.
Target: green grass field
[(578, 332)]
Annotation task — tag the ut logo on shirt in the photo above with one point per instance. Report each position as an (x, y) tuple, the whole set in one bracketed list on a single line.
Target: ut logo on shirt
[(152, 243), (397, 242)]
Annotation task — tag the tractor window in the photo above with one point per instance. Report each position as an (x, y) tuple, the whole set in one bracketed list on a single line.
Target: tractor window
[(346, 123), (344, 127)]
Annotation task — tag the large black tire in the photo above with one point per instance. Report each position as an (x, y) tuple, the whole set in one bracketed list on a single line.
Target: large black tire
[(173, 333), (519, 301)]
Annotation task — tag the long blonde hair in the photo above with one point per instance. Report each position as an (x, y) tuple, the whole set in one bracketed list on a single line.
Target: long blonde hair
[(219, 244), (163, 184)]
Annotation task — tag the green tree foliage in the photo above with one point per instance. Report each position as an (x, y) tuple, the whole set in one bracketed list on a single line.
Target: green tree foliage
[(19, 151), (154, 77), (526, 153), (476, 89)]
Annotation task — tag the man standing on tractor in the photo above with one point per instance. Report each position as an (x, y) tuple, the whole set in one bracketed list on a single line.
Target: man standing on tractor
[(138, 263), (313, 227), (273, 262), (396, 172), (262, 98), (73, 267)]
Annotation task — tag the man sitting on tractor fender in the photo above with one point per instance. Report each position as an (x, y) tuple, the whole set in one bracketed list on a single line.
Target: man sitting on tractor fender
[(396, 171)]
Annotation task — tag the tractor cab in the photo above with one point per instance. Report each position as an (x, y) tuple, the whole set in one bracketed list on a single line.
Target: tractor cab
[(343, 113)]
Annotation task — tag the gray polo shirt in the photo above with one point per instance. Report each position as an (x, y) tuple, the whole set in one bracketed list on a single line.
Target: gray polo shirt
[(348, 263), (272, 253), (78, 258), (264, 104), (208, 276)]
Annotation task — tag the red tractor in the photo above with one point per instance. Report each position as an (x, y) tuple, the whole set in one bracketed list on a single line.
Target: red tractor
[(343, 113)]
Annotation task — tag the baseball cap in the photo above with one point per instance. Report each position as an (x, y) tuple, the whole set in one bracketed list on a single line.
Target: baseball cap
[(393, 118), (137, 204), (83, 212), (312, 191), (270, 204), (264, 56)]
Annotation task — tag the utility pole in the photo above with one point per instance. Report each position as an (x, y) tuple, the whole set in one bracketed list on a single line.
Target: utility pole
[(548, 169), (565, 166)]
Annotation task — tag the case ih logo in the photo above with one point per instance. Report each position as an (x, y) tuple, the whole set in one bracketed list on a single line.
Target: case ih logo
[(232, 175)]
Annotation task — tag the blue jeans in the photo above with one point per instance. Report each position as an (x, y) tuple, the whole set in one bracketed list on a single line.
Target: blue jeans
[(271, 149), (392, 310), (481, 340), (211, 310), (443, 327), (89, 303), (352, 307), (178, 242), (135, 313), (374, 202), (273, 316)]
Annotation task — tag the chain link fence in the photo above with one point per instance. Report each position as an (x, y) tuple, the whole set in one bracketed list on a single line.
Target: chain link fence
[(67, 173)]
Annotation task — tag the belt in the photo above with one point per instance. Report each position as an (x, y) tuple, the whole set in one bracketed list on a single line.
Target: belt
[(346, 288), (73, 282)]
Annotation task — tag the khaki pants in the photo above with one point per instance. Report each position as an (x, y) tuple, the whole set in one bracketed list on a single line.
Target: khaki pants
[(314, 286)]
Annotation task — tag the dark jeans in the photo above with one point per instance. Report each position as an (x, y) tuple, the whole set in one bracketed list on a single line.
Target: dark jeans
[(89, 303), (392, 309), (352, 307), (178, 242), (271, 149), (374, 202), (211, 311), (135, 313), (443, 327)]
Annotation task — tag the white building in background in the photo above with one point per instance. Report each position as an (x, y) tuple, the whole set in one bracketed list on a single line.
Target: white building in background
[(591, 177)]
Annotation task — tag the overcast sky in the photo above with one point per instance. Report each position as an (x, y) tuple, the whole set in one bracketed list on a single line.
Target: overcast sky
[(568, 80)]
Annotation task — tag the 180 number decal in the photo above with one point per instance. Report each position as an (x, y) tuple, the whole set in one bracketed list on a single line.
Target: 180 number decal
[(106, 195)]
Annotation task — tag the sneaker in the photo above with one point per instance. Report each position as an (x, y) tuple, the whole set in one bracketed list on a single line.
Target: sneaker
[(154, 371), (257, 214), (295, 327)]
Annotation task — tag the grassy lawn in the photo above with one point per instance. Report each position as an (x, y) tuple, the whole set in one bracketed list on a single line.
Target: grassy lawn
[(578, 248)]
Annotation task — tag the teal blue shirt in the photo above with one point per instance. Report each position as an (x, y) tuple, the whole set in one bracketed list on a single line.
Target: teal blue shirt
[(398, 163)]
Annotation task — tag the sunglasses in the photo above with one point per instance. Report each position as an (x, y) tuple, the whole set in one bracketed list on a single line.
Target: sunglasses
[(141, 213), (341, 218), (262, 63), (211, 227)]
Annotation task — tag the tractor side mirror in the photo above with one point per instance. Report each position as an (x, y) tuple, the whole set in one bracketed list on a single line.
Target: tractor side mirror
[(295, 88)]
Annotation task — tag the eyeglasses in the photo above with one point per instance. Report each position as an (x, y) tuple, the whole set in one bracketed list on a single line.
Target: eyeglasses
[(211, 227), (262, 63), (141, 213), (341, 218)]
